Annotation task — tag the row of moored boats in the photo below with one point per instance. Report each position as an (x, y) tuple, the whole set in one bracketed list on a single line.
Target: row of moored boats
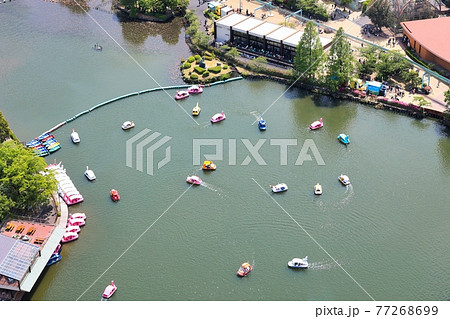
[(44, 145)]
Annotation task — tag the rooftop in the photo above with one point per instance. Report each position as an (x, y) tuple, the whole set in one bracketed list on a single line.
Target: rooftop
[(433, 35)]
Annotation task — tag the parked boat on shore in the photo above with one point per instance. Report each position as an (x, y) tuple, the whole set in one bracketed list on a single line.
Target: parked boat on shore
[(66, 188), (68, 237), (77, 216), (54, 259)]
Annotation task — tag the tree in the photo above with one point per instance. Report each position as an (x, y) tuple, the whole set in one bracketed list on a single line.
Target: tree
[(22, 187), (412, 78), (340, 61), (345, 2), (309, 57), (258, 64), (421, 101), (447, 98), (380, 13), (368, 61), (391, 64), (5, 131)]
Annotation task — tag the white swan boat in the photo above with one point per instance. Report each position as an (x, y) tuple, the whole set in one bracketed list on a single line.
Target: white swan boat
[(89, 174)]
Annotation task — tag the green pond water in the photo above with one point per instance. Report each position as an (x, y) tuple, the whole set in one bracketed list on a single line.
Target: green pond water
[(384, 237)]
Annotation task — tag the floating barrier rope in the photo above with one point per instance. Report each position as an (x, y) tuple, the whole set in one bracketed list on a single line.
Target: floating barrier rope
[(130, 95)]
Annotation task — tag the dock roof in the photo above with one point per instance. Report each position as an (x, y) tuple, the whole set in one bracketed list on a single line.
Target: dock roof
[(294, 39), (280, 34), (264, 29), (16, 257), (247, 24), (231, 19)]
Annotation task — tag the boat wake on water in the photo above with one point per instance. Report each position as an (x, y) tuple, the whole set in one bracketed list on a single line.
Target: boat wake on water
[(213, 188), (349, 192)]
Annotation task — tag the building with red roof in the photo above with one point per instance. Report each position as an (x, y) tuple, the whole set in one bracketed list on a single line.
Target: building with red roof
[(430, 38)]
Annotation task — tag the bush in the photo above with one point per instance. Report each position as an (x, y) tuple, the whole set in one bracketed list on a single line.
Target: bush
[(187, 65), (191, 59), (215, 69), (182, 61), (205, 74), (194, 76), (199, 70), (225, 67), (209, 58), (225, 76), (197, 57), (207, 53)]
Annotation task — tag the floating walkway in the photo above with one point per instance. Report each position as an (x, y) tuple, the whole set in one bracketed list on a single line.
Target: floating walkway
[(134, 94)]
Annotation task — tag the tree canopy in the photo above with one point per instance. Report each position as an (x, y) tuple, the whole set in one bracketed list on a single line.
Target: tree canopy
[(380, 13), (340, 61), (5, 132), (309, 57), (22, 188), (155, 6)]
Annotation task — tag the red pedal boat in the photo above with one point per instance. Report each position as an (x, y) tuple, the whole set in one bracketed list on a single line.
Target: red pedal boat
[(114, 195)]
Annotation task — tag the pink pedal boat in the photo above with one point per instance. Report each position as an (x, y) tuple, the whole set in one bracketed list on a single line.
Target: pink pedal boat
[(195, 89), (194, 180), (76, 222), (181, 95), (77, 216), (109, 290), (316, 124), (69, 237), (73, 229), (218, 117)]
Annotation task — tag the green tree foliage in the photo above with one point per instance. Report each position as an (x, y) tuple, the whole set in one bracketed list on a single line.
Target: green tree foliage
[(380, 13), (309, 57), (421, 101), (345, 3), (258, 64), (22, 188), (5, 131), (154, 6), (309, 7), (391, 64), (368, 61), (340, 61), (447, 98), (412, 78)]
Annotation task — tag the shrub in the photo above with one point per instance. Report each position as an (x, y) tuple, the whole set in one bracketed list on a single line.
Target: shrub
[(194, 76), (207, 53), (191, 59), (199, 70), (205, 74), (225, 67), (215, 69), (197, 57), (182, 61), (187, 65), (209, 58), (225, 76)]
